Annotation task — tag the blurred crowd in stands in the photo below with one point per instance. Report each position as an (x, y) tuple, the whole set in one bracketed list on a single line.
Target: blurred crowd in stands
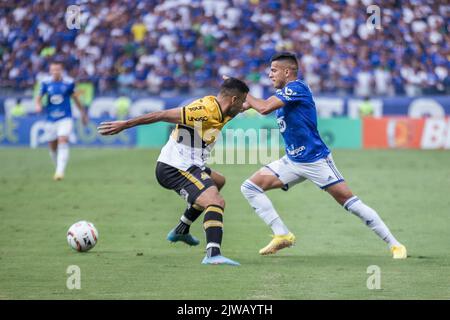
[(184, 46)]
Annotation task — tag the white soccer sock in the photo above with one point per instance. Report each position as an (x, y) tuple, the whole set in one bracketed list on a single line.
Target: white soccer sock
[(371, 218), (62, 158), (263, 207), (53, 156)]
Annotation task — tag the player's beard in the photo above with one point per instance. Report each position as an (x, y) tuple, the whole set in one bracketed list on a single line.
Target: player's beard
[(278, 84), (234, 112)]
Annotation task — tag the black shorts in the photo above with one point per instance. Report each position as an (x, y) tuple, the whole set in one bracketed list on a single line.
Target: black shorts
[(189, 184)]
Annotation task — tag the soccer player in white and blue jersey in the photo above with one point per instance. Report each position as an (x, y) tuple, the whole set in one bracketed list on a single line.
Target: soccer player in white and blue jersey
[(59, 89), (307, 158)]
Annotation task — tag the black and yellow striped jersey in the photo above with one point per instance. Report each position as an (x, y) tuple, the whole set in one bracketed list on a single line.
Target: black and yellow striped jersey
[(202, 118)]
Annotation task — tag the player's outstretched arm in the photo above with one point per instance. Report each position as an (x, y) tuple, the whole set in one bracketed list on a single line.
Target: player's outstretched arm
[(264, 106), (114, 127), (260, 105)]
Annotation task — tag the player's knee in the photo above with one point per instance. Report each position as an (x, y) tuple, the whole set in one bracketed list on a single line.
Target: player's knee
[(214, 199), (343, 198), (63, 140), (210, 197), (217, 201), (245, 190), (340, 192), (250, 189), (53, 145), (220, 202)]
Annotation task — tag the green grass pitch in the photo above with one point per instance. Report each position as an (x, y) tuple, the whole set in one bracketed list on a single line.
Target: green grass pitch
[(116, 190)]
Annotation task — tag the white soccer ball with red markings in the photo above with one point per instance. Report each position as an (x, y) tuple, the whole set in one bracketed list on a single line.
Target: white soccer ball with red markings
[(82, 236)]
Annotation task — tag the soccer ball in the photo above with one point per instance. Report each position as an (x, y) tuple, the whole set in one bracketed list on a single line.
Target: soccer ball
[(82, 236)]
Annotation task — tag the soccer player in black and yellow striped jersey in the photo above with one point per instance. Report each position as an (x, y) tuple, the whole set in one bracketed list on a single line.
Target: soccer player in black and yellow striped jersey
[(181, 166)]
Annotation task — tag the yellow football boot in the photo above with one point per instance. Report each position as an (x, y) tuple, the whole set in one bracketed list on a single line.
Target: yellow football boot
[(399, 252), (278, 243), (58, 177)]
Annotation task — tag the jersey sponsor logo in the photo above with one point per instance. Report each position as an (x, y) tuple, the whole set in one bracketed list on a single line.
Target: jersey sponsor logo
[(294, 152), (281, 124), (191, 118), (288, 91), (57, 114), (280, 92), (56, 99), (195, 108)]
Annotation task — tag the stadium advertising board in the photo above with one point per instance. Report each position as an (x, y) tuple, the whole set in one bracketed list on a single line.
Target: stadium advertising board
[(435, 106), (327, 106), (341, 132), (30, 131), (243, 132), (406, 133), (399, 122)]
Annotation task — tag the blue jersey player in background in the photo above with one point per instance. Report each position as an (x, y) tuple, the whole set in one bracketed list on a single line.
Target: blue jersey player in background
[(307, 158), (59, 89)]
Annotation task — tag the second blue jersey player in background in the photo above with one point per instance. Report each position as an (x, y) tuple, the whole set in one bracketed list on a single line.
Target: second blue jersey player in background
[(59, 89), (307, 158)]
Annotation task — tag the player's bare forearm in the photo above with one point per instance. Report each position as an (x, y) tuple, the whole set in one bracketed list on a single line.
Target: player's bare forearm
[(148, 118), (84, 116), (38, 103), (114, 127), (264, 106), (80, 107), (171, 115), (78, 104)]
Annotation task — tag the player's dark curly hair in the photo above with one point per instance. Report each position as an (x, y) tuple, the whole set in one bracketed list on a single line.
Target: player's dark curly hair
[(232, 85)]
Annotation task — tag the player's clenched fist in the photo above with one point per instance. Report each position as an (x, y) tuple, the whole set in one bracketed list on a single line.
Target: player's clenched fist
[(113, 127)]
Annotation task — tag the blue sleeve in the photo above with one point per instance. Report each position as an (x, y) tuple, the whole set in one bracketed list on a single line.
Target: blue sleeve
[(291, 94)]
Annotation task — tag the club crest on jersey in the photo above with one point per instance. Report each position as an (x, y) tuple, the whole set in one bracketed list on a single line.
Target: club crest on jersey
[(56, 99)]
